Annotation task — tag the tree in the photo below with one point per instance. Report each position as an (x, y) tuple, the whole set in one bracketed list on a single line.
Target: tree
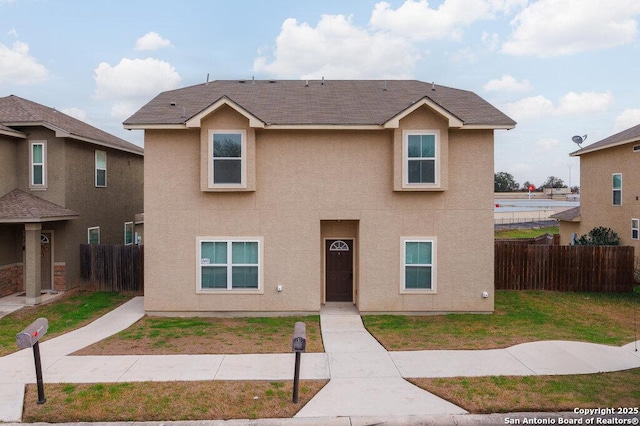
[(553, 182), (599, 236), (504, 182)]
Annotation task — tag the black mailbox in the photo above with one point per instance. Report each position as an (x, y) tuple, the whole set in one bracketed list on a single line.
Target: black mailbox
[(299, 337), (30, 335)]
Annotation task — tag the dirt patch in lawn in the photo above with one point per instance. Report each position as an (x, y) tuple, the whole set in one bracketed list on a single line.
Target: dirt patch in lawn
[(168, 336), (166, 401)]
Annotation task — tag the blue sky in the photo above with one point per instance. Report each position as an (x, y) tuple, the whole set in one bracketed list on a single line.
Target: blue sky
[(558, 67)]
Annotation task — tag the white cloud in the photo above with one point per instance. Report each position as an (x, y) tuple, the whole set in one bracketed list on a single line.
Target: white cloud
[(490, 41), (151, 41), (570, 104), (13, 33), (547, 144), (627, 119), (132, 82), (563, 27), (416, 20), (17, 66), (507, 83), (585, 102), (531, 107), (336, 48)]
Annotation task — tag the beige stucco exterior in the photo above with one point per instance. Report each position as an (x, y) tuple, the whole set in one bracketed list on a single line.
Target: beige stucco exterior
[(304, 186), (596, 194)]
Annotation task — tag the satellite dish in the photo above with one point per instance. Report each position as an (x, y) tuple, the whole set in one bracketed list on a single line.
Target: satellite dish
[(579, 139)]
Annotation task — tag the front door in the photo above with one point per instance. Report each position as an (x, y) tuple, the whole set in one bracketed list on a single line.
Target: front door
[(339, 270)]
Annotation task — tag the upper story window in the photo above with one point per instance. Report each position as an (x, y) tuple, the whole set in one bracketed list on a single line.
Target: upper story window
[(617, 189), (227, 159), (101, 168), (420, 158), (38, 164)]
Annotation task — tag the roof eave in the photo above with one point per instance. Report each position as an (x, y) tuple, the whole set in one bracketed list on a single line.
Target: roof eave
[(38, 219), (61, 133), (588, 149)]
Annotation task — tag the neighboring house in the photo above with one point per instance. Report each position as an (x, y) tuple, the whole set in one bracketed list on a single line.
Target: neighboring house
[(62, 183), (609, 190), (279, 196)]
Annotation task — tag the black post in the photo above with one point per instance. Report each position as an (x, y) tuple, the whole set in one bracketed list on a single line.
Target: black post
[(296, 378), (36, 358)]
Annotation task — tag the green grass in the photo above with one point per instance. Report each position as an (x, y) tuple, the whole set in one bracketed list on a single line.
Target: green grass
[(520, 316), (508, 394), (526, 233), (66, 314)]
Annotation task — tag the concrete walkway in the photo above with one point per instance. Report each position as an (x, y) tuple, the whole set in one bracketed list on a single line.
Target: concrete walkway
[(365, 379)]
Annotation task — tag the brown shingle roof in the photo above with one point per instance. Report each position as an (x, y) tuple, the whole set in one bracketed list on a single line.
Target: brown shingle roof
[(570, 215), (626, 136), (16, 111), (331, 102), (18, 206)]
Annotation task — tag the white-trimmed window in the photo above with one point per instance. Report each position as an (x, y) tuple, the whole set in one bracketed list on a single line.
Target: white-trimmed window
[(128, 233), (635, 229), (420, 157), (617, 189), (227, 159), (229, 264), (101, 169), (418, 265), (93, 235), (38, 164)]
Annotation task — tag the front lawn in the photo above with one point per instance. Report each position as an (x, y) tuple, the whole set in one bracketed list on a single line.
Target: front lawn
[(519, 317)]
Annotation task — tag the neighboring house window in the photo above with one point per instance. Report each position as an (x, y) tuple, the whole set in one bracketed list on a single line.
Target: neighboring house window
[(229, 264), (101, 168), (128, 233), (420, 158), (617, 189), (38, 160), (635, 229), (227, 150), (418, 264), (94, 235)]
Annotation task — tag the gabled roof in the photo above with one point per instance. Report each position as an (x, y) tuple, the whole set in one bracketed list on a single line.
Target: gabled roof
[(299, 103), (626, 136), (19, 112), (20, 207)]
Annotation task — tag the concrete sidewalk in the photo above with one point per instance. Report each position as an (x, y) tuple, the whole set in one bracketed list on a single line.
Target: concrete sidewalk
[(365, 380)]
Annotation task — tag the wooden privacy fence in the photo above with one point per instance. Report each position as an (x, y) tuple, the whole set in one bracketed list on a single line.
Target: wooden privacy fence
[(564, 268), (111, 267)]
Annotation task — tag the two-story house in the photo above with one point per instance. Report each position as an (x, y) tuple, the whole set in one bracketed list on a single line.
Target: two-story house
[(62, 183), (280, 196), (609, 190)]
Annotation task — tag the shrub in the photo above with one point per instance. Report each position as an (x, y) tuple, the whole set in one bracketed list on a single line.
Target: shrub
[(599, 236)]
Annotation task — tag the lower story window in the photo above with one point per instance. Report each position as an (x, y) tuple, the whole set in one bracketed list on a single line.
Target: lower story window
[(635, 229), (418, 268), (229, 264), (93, 235)]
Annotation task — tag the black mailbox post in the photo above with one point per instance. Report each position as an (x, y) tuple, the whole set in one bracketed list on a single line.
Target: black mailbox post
[(298, 345), (29, 337)]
